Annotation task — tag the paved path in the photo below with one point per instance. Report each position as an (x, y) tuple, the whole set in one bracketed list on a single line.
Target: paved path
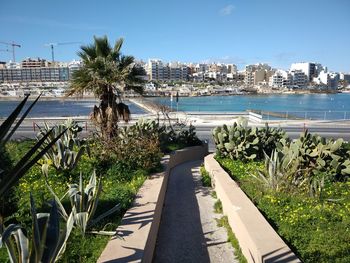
[(188, 231)]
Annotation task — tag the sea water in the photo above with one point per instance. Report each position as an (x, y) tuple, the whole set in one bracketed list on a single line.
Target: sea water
[(317, 106), (58, 108)]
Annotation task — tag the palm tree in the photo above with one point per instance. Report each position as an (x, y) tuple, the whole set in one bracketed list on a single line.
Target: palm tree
[(107, 73)]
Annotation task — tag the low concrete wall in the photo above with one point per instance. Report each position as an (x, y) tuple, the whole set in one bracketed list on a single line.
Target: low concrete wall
[(258, 240), (140, 224), (254, 117)]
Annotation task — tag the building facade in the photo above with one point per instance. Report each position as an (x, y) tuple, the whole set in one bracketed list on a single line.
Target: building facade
[(37, 70), (175, 71), (310, 69), (256, 74)]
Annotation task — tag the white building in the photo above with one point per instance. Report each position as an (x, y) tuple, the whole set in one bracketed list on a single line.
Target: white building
[(327, 79), (280, 79), (175, 71), (310, 69), (13, 65), (345, 77), (298, 78), (150, 86)]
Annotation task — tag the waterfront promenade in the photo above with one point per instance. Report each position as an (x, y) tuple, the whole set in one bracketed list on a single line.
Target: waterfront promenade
[(204, 121)]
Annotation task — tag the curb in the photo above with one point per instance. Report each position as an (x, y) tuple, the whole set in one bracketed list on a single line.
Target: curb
[(140, 224), (258, 240)]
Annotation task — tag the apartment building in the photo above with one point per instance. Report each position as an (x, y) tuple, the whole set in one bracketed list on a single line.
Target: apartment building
[(280, 79), (327, 80), (288, 79), (34, 75), (175, 71), (37, 70), (310, 69), (258, 73), (35, 63), (299, 78)]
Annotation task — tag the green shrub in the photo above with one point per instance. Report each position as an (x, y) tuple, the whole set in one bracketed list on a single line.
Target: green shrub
[(206, 179), (317, 161), (218, 207), (317, 228), (239, 142)]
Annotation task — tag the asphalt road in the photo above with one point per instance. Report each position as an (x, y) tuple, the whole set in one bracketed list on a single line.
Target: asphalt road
[(204, 132)]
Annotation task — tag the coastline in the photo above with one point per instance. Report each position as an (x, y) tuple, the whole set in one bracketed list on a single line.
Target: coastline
[(246, 93), (47, 98)]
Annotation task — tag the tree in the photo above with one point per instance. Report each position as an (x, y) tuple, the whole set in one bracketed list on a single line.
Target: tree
[(108, 74)]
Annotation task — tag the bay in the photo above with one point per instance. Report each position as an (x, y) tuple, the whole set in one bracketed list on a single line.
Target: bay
[(316, 106), (58, 108)]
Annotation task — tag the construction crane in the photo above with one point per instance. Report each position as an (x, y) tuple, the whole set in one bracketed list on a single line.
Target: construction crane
[(13, 44), (52, 45)]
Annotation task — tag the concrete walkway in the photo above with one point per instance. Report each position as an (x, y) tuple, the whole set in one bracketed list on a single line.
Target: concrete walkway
[(188, 231)]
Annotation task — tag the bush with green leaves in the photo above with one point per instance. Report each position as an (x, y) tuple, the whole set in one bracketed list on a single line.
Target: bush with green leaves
[(316, 228), (317, 161), (179, 134), (187, 136), (240, 142)]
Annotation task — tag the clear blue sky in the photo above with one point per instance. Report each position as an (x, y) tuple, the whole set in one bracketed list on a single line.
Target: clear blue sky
[(278, 32)]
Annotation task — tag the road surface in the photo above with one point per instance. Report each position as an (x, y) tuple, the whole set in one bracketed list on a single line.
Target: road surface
[(328, 130)]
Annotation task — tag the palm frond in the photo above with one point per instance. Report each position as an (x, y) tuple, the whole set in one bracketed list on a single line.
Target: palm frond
[(103, 48)]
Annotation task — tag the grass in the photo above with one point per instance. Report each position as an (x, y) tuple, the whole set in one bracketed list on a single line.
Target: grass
[(117, 188), (223, 222), (206, 179), (218, 207), (317, 229)]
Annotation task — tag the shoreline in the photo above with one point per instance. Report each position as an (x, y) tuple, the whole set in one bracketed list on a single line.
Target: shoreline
[(92, 97), (33, 97)]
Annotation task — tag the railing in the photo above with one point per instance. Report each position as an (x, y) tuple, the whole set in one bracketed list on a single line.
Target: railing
[(304, 115)]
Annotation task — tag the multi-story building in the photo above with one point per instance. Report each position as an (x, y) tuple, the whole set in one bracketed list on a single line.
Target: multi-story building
[(201, 68), (175, 71), (310, 69), (231, 69), (34, 74), (36, 70), (299, 78), (280, 79), (235, 77), (34, 63), (327, 80), (345, 77), (255, 74), (12, 65)]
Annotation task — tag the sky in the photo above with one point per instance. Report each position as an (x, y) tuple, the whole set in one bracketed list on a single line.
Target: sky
[(278, 32)]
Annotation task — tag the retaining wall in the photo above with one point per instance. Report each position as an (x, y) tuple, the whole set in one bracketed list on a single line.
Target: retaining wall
[(258, 240), (139, 227)]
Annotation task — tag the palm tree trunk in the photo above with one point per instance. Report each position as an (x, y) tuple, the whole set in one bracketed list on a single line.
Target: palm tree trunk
[(108, 113)]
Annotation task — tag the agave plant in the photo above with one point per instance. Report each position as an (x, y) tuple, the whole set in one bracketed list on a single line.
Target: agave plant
[(9, 178), (273, 176), (48, 240), (67, 151), (84, 203)]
